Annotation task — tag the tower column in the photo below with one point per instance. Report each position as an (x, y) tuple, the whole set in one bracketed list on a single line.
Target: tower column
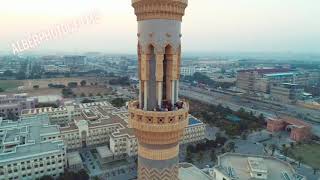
[(140, 94), (177, 90), (172, 92), (145, 98), (159, 77), (159, 93), (158, 132)]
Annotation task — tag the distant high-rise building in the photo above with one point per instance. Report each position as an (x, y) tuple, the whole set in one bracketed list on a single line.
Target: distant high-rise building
[(159, 117)]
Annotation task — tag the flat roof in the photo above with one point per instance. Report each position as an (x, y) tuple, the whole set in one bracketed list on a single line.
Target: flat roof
[(188, 171), (25, 138), (279, 74), (239, 164), (193, 120), (104, 151), (74, 158), (257, 164)]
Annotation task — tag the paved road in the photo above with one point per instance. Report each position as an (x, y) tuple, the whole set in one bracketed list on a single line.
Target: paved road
[(223, 101), (235, 103)]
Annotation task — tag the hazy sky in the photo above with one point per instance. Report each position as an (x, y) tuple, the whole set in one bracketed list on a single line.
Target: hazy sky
[(209, 25)]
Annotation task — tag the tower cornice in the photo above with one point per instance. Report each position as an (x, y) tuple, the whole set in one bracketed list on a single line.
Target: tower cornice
[(159, 9)]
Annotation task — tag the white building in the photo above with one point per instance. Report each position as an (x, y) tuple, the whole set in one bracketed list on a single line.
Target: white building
[(239, 166), (56, 68), (30, 148), (100, 124), (11, 106), (187, 71)]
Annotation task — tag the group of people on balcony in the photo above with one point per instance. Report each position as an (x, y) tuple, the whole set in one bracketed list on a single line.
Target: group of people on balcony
[(168, 106)]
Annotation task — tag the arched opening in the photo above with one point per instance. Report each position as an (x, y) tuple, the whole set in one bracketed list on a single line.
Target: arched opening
[(166, 91), (152, 84)]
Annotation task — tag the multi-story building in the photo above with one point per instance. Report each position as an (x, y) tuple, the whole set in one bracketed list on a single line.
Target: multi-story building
[(299, 130), (74, 60), (240, 166), (195, 131), (261, 80), (11, 106), (101, 124), (286, 92), (258, 80), (187, 71), (56, 68), (30, 148)]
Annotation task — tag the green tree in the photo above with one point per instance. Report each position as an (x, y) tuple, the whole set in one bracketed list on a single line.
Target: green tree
[(299, 159), (1, 90), (8, 73), (292, 145), (189, 157), (285, 151), (69, 175), (83, 83), (11, 116), (66, 92), (261, 117), (95, 178), (118, 102), (36, 87), (72, 84), (244, 136), (86, 100), (200, 156), (315, 170), (231, 146), (272, 148), (213, 155), (46, 177)]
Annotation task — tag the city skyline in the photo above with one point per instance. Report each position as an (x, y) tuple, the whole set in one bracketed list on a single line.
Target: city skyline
[(210, 26)]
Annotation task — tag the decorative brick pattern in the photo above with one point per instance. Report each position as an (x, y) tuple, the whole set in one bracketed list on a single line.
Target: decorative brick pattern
[(145, 173)]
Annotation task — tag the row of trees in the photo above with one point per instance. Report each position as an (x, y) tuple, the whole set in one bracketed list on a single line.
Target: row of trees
[(123, 81), (118, 102), (203, 79), (19, 75), (69, 175), (218, 116), (201, 147)]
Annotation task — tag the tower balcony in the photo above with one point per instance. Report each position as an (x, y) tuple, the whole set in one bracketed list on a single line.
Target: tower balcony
[(159, 9), (158, 121), (183, 1), (158, 127)]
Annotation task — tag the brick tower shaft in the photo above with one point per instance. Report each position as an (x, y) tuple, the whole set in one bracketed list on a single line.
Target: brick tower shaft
[(158, 117)]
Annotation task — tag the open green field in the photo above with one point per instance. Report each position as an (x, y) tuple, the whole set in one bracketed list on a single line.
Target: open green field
[(9, 84), (309, 152)]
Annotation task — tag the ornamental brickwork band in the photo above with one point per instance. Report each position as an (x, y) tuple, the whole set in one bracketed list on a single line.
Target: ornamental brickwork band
[(158, 117)]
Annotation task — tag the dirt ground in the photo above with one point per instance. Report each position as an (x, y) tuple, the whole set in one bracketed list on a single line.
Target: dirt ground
[(26, 86)]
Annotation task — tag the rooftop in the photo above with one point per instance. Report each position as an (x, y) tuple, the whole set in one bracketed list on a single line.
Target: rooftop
[(279, 74), (266, 71), (22, 139), (74, 158), (236, 165), (190, 172), (194, 121), (104, 151)]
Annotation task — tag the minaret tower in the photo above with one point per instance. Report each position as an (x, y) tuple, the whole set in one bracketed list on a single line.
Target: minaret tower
[(158, 117)]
